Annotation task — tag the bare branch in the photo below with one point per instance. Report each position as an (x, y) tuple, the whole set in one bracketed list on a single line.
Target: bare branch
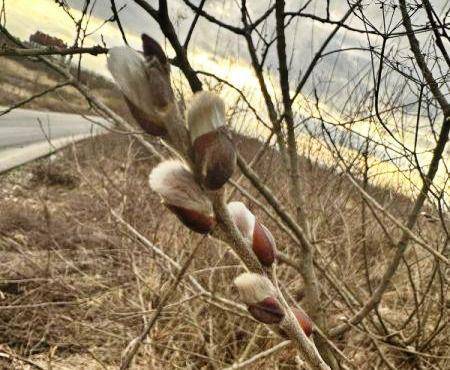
[(117, 19), (13, 52)]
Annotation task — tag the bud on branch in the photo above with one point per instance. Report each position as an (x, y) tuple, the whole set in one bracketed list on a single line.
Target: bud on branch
[(145, 83), (175, 183), (259, 294), (214, 153), (259, 237), (304, 321)]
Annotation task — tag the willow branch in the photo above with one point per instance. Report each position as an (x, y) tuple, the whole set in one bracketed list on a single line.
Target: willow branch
[(420, 59), (15, 52)]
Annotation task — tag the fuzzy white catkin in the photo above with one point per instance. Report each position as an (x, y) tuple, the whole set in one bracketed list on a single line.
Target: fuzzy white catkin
[(253, 288), (127, 66), (243, 218), (206, 113), (175, 183)]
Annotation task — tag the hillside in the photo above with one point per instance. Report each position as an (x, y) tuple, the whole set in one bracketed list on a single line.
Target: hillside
[(21, 78)]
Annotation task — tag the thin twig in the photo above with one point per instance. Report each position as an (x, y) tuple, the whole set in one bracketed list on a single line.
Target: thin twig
[(134, 345)]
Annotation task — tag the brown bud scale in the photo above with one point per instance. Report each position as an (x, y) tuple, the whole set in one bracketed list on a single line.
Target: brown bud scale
[(263, 244), (194, 220), (304, 321), (153, 49), (215, 155), (160, 89), (147, 125), (268, 311)]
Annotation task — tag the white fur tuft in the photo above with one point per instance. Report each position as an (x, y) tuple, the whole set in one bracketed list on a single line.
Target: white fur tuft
[(175, 183), (206, 113), (128, 68), (243, 218), (253, 288)]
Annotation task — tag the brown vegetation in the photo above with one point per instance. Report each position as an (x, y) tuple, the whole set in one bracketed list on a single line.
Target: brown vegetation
[(75, 284)]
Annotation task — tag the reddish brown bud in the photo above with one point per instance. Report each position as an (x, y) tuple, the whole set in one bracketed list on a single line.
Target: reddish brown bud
[(304, 321), (263, 244), (268, 311), (194, 220), (176, 184), (259, 237), (215, 155)]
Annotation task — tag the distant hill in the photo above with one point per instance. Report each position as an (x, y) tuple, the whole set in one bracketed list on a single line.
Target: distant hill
[(21, 78)]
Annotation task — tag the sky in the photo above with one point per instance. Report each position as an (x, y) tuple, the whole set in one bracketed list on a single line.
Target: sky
[(26, 16), (225, 54), (211, 49)]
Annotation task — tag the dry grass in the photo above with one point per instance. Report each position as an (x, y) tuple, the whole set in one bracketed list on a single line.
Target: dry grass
[(81, 286)]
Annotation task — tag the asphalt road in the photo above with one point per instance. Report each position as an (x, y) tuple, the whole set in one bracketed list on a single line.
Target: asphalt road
[(22, 127), (28, 134)]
